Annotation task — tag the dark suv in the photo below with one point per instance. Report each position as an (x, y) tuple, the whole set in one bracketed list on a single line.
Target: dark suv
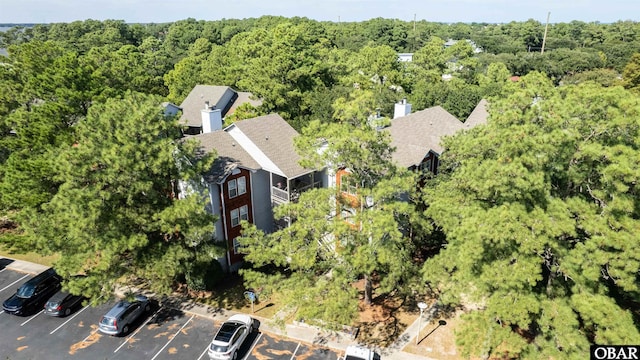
[(32, 295)]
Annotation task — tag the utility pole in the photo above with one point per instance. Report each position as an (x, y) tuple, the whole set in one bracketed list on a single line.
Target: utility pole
[(414, 23), (544, 38), (413, 47)]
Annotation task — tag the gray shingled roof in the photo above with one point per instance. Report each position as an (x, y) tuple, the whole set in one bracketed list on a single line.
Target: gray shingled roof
[(194, 103), (478, 116), (230, 154), (416, 134), (244, 97), (274, 137)]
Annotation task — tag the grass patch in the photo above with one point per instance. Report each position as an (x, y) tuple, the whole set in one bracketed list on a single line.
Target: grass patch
[(30, 257)]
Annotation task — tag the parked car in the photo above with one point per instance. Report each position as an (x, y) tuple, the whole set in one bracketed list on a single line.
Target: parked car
[(62, 303), (231, 336), (32, 295), (118, 320), (354, 352)]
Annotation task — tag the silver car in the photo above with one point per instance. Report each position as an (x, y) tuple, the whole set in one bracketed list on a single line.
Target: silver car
[(118, 320), (230, 337)]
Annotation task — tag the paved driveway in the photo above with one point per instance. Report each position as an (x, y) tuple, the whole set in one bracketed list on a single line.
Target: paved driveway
[(164, 334)]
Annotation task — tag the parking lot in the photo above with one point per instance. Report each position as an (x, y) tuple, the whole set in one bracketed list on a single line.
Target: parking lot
[(164, 334)]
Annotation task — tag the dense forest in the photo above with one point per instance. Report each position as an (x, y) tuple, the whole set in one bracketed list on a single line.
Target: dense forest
[(532, 218)]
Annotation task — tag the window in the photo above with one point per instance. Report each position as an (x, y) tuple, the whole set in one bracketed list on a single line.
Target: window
[(237, 187), (348, 214), (242, 185), (233, 188), (235, 218), (237, 335), (425, 166), (348, 185), (242, 213), (236, 246)]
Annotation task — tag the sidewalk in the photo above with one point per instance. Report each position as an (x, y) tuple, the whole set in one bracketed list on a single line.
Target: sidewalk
[(22, 266), (304, 333)]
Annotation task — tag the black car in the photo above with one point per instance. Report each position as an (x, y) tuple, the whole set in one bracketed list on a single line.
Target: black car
[(32, 295), (62, 303)]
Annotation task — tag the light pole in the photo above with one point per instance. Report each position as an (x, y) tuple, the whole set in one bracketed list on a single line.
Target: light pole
[(422, 306)]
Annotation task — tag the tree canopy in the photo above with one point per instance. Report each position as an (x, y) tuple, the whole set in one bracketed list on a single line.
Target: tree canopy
[(116, 213), (540, 212), (336, 239)]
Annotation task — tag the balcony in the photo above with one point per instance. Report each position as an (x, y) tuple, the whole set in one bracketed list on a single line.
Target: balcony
[(283, 194)]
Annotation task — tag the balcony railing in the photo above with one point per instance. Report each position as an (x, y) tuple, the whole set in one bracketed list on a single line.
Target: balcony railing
[(281, 196)]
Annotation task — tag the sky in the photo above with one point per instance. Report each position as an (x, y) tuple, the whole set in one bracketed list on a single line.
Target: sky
[(162, 11)]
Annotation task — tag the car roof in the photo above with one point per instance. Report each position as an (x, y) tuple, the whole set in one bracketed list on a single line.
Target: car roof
[(119, 307), (358, 351), (43, 275), (227, 330), (60, 295)]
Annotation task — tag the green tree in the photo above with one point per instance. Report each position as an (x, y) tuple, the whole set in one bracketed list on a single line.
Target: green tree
[(187, 73), (320, 255), (116, 216), (540, 212), (495, 78), (45, 91), (631, 74), (280, 65)]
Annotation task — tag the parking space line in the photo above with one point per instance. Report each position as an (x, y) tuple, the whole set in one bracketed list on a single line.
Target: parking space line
[(71, 318), (93, 332), (204, 352), (31, 318), (138, 329), (252, 346), (293, 356), (173, 337), (13, 283)]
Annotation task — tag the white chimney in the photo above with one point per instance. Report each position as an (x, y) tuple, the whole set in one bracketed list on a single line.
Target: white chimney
[(211, 119), (401, 109)]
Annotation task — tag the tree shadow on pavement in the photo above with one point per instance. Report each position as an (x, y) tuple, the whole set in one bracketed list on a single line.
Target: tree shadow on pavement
[(228, 295), (4, 262)]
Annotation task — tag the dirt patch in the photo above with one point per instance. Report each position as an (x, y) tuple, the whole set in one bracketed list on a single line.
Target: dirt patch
[(382, 322), (437, 339)]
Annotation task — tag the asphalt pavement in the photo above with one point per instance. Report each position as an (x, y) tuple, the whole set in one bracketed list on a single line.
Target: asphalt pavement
[(301, 332)]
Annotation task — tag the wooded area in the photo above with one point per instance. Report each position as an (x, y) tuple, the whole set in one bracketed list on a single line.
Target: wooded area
[(533, 217)]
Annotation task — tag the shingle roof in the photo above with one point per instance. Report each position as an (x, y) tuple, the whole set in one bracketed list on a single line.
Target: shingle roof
[(274, 137), (478, 116), (194, 103), (244, 97), (416, 134), (230, 154), (222, 97)]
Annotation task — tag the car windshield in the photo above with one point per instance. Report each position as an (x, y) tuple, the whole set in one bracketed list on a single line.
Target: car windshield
[(108, 321), (219, 348), (26, 291)]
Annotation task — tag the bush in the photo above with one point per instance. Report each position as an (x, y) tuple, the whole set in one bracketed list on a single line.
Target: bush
[(204, 275)]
